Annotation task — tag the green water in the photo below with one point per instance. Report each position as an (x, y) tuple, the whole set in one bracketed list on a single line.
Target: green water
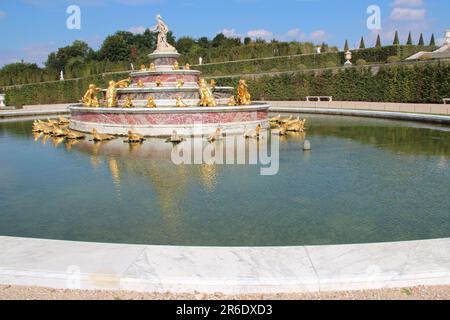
[(365, 180)]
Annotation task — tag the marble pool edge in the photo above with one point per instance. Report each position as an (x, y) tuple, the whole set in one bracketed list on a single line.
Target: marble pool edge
[(233, 270)]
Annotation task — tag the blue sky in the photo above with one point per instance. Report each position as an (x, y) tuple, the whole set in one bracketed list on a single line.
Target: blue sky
[(30, 29)]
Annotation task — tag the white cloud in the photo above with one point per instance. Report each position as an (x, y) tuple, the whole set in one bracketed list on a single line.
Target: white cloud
[(295, 34), (408, 3), (260, 33), (137, 30), (231, 33), (318, 35), (408, 14)]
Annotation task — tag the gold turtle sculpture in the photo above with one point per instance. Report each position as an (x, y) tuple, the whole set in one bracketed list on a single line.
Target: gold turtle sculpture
[(59, 132), (73, 135), (97, 137), (63, 121), (134, 138), (256, 134), (216, 136), (175, 138)]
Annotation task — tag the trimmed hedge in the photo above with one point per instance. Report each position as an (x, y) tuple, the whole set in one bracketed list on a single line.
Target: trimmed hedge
[(56, 92), (416, 83), (309, 61)]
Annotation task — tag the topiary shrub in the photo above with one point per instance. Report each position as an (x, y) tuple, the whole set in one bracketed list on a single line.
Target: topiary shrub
[(361, 62), (393, 59)]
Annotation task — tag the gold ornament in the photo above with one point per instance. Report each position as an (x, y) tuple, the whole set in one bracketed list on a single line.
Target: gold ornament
[(206, 97), (90, 97), (151, 102), (244, 97)]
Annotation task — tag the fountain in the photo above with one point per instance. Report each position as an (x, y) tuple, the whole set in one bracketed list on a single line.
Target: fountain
[(163, 98)]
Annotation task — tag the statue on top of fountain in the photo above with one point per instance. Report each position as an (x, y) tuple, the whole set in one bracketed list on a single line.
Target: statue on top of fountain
[(163, 46)]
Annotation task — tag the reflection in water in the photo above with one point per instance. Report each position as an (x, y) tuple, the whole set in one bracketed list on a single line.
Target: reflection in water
[(364, 180), (115, 173)]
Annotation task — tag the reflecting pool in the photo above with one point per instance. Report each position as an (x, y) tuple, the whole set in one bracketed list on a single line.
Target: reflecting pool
[(366, 180)]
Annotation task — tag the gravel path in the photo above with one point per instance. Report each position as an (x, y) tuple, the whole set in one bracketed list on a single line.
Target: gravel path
[(35, 293)]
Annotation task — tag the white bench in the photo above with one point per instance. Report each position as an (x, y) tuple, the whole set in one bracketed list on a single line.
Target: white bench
[(446, 100), (319, 98)]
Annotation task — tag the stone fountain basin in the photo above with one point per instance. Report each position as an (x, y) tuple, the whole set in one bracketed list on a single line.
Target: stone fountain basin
[(162, 121)]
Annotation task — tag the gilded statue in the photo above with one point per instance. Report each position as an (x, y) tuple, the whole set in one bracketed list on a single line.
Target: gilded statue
[(296, 125), (129, 103), (97, 137), (244, 97), (111, 95), (180, 84), (123, 83), (159, 83), (176, 66), (232, 102), (152, 67), (140, 84), (255, 134), (143, 67), (151, 102), (163, 30), (213, 84), (180, 103), (63, 121), (187, 66), (216, 136), (73, 135), (206, 96), (90, 97), (111, 92), (134, 138)]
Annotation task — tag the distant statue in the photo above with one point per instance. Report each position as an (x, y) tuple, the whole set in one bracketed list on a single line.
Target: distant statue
[(61, 76), (244, 97), (90, 97), (206, 96), (200, 61), (163, 30)]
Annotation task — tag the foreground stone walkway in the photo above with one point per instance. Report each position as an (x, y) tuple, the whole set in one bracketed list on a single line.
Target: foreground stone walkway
[(35, 293)]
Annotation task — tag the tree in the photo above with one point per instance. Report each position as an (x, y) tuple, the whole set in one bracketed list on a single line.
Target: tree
[(432, 41), (115, 48), (409, 42), (78, 49), (378, 44), (362, 44), (185, 44), (346, 46), (396, 39), (203, 42), (421, 41), (247, 41), (218, 40)]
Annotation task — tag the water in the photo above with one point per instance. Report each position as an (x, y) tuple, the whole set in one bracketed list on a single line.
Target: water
[(365, 180)]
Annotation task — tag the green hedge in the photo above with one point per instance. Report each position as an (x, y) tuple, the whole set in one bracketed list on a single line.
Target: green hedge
[(415, 83), (56, 92), (419, 82), (309, 61)]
